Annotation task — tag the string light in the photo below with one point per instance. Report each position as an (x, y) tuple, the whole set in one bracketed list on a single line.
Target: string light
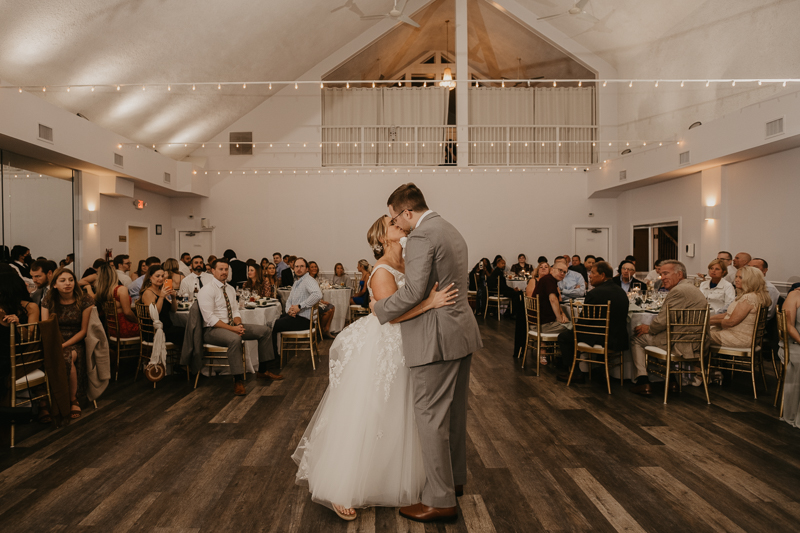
[(656, 83), (630, 84), (681, 84), (219, 86), (193, 86), (169, 88), (295, 85), (708, 83), (244, 86)]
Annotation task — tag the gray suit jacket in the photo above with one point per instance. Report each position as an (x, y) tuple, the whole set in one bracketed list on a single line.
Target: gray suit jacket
[(192, 350), (684, 295), (435, 251)]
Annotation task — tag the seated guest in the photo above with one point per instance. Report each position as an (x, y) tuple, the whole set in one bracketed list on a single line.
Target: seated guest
[(255, 281), (172, 271), (727, 260), (93, 269), (567, 258), (774, 294), (42, 274), (542, 259), (497, 282), (717, 290), (496, 259), (66, 300), (223, 327), (287, 276), (551, 317), (576, 260), (17, 308), (20, 261), (211, 259), (572, 284), (339, 276), (122, 263), (154, 292), (141, 270), (477, 282), (682, 295), (541, 270), (631, 259), (263, 264), (69, 261), (599, 258), (280, 266), (192, 284), (584, 268), (238, 269), (521, 326), (305, 293), (326, 309), (185, 264), (522, 266), (136, 286), (109, 288), (740, 260), (89, 278), (359, 294), (605, 291), (655, 274), (271, 281), (735, 328), (625, 277)]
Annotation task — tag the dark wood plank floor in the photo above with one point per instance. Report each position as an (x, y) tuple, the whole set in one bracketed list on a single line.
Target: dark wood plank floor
[(541, 457)]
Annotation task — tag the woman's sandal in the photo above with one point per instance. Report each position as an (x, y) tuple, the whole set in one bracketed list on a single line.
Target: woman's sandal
[(348, 517), (44, 413), (74, 410)]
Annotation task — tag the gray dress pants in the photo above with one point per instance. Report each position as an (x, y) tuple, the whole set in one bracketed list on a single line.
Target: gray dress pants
[(440, 409), (224, 337)]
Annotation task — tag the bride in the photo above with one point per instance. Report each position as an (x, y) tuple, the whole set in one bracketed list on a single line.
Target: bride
[(361, 447)]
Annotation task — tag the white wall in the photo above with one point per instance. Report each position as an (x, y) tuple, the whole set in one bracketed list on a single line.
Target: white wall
[(325, 218)]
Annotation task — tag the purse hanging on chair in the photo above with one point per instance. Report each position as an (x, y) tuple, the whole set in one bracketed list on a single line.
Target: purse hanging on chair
[(156, 369)]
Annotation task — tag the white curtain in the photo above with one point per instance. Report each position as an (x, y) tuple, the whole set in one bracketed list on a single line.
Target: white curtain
[(516, 125), (385, 124)]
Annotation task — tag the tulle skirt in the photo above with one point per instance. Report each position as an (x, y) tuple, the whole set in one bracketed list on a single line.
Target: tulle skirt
[(361, 447)]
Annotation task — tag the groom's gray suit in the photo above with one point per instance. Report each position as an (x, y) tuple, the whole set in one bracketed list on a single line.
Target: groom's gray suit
[(437, 346)]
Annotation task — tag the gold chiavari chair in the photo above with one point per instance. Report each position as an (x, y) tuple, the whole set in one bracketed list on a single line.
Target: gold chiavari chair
[(497, 299), (27, 366), (117, 345), (535, 338), (147, 333), (212, 354), (302, 339), (785, 340), (472, 296), (684, 327), (592, 321), (743, 359)]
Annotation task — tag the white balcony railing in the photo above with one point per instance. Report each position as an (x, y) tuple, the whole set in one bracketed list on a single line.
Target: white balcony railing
[(413, 146)]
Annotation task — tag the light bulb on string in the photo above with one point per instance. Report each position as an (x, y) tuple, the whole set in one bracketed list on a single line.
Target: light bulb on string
[(321, 85), (20, 89), (656, 83), (44, 89), (784, 83), (244, 86), (759, 82), (219, 86), (733, 83), (580, 84), (373, 84), (708, 82), (118, 87), (69, 88), (193, 88), (143, 87), (604, 84), (630, 84), (681, 84), (348, 85), (295, 85), (554, 83), (169, 88)]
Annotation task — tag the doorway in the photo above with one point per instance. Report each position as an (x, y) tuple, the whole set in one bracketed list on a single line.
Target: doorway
[(655, 242), (594, 241), (195, 243), (138, 244)]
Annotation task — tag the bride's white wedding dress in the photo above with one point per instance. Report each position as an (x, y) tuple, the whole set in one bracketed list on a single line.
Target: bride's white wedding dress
[(361, 447)]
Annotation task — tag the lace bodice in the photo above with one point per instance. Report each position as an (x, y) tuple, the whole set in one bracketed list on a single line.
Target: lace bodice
[(399, 278)]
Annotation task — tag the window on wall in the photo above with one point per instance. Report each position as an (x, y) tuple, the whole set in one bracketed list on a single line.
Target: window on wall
[(241, 143), (30, 189)]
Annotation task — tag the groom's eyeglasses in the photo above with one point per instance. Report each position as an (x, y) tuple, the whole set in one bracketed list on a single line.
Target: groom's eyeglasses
[(392, 221)]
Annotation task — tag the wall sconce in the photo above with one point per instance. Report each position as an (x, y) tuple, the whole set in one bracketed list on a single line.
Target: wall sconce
[(711, 212), (90, 217)]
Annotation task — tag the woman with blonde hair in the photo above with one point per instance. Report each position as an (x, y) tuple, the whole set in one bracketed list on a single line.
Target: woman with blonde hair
[(719, 292), (541, 270), (735, 328), (172, 271), (365, 269)]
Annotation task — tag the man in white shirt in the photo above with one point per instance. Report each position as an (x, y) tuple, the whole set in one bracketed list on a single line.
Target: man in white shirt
[(122, 263), (222, 326), (774, 293), (305, 293), (185, 264), (280, 265), (741, 259), (197, 279)]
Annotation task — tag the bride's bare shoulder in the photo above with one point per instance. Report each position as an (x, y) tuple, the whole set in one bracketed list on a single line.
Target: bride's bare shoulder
[(382, 283)]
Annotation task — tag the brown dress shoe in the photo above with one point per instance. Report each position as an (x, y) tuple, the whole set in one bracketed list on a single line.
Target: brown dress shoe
[(268, 375), (645, 389), (422, 513), (459, 491), (239, 388)]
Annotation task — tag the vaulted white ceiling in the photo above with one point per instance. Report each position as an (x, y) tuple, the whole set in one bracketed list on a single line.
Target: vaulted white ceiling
[(135, 42)]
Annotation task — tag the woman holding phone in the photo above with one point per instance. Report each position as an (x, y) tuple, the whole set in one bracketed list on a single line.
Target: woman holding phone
[(157, 289)]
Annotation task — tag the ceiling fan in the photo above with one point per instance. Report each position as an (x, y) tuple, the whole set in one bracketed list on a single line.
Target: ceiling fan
[(576, 10), (396, 14)]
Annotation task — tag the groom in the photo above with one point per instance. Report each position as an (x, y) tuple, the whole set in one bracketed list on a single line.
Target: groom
[(437, 346)]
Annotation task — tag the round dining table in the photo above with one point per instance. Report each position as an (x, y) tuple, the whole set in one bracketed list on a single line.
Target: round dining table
[(520, 284), (340, 298)]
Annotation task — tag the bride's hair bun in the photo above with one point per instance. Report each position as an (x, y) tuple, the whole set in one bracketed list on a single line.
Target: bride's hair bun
[(376, 236)]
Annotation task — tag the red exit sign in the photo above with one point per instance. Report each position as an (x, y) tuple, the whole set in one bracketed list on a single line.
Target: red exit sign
[(139, 204)]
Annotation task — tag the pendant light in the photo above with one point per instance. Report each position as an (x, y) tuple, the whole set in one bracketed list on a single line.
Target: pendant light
[(447, 76)]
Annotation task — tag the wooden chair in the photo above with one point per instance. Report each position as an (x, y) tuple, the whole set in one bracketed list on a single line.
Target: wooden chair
[(535, 338), (27, 366), (147, 333), (472, 296), (684, 326), (357, 311), (593, 320), (783, 337), (743, 359), (302, 339), (494, 297), (119, 346), (214, 354)]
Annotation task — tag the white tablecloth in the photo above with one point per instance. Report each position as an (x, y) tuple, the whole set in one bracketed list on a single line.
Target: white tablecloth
[(517, 284), (264, 316), (340, 298)]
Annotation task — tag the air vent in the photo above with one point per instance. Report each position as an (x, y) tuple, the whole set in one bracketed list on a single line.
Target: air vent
[(167, 178), (241, 143), (623, 175), (684, 158), (45, 133), (773, 128), (118, 160)]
